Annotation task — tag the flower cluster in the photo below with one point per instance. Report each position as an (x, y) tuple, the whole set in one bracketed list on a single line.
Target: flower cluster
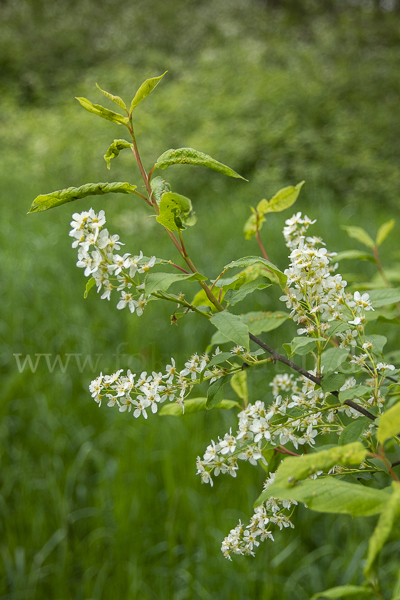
[(259, 428), (297, 418), (274, 512), (318, 298), (97, 255), (148, 391)]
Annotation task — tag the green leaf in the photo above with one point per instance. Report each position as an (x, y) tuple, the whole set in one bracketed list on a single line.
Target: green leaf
[(257, 322), (262, 322), (189, 156), (353, 255), (332, 358), (220, 358), (352, 432), (330, 495), (235, 296), (294, 469), (159, 187), (396, 591), (393, 321), (145, 89), (250, 227), (382, 297), (194, 405), (359, 234), (156, 282), (99, 110), (89, 286), (326, 494), (283, 199), (46, 201), (239, 385), (114, 149), (345, 591), (227, 283), (175, 212), (358, 391), (301, 345), (232, 327), (383, 528), (248, 261), (201, 299), (332, 382), (215, 392), (378, 342), (115, 99), (337, 327), (389, 424), (384, 231)]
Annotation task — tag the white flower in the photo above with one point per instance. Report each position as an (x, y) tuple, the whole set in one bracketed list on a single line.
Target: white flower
[(132, 263), (141, 404), (79, 220), (362, 302), (140, 304), (119, 262), (145, 267), (382, 366), (97, 221), (211, 452), (108, 287), (127, 300), (261, 428), (237, 350), (356, 321), (308, 437), (228, 444), (252, 454)]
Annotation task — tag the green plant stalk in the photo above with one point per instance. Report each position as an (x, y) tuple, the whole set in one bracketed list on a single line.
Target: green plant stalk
[(180, 301), (205, 287), (152, 202)]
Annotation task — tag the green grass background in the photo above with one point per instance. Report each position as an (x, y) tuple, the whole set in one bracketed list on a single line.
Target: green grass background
[(96, 505)]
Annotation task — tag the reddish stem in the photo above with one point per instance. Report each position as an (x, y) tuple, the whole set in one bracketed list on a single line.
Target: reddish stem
[(265, 255), (284, 450), (178, 267)]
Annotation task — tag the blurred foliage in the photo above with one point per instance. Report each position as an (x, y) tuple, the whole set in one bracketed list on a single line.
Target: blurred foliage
[(91, 503), (284, 100)]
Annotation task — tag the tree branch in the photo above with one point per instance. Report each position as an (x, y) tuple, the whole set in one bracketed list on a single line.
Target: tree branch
[(284, 360), (309, 376)]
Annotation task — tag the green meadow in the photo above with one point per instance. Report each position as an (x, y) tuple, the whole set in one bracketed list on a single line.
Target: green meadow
[(95, 504)]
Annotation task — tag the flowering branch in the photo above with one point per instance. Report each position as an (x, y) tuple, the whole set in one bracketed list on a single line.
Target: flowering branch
[(301, 409)]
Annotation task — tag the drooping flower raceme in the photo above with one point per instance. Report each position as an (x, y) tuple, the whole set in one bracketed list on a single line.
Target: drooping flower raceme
[(297, 419), (321, 305), (129, 392), (272, 513), (97, 254), (318, 298)]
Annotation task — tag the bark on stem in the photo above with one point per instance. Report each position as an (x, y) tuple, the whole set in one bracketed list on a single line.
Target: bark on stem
[(309, 376)]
